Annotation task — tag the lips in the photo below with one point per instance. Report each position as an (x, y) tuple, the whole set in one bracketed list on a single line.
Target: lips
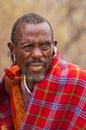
[(36, 67)]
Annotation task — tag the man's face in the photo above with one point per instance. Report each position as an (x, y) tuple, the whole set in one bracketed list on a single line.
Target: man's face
[(34, 49)]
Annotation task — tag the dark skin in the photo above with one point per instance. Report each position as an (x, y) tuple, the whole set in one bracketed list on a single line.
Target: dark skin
[(33, 50)]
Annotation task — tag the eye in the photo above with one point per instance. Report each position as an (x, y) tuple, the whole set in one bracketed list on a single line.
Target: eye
[(27, 47), (45, 45)]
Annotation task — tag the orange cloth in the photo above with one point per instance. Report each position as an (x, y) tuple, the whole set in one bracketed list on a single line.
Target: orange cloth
[(12, 86)]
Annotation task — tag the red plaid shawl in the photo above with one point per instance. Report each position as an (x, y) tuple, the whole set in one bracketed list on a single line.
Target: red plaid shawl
[(58, 102), (5, 112)]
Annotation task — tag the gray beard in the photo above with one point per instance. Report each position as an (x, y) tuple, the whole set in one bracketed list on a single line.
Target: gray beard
[(35, 77)]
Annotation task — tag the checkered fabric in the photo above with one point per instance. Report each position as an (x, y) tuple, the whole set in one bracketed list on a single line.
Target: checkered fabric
[(59, 101), (5, 112)]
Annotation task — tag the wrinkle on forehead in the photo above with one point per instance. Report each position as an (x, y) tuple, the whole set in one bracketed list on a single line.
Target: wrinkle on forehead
[(33, 32)]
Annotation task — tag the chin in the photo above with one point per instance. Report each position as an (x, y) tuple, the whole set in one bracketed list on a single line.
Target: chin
[(36, 77)]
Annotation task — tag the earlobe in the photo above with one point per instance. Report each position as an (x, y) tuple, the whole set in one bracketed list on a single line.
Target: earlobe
[(54, 49)]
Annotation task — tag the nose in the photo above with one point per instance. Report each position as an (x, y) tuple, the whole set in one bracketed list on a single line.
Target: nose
[(37, 53)]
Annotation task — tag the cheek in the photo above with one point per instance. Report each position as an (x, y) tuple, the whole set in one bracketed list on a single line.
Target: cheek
[(49, 61), (20, 59), (49, 56)]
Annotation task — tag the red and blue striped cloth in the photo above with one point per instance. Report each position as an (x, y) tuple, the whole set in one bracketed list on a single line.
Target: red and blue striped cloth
[(5, 110), (57, 103)]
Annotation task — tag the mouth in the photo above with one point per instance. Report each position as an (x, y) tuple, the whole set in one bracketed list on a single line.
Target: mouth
[(36, 67)]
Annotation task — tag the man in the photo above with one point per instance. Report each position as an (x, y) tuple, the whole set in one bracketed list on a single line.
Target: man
[(46, 93)]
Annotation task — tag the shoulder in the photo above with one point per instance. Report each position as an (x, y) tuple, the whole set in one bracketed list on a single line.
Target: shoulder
[(70, 70), (73, 70)]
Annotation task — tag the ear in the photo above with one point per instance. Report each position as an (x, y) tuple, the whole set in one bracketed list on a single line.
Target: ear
[(11, 47), (55, 43)]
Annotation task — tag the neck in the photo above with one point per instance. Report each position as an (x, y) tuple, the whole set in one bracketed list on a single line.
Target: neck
[(30, 84)]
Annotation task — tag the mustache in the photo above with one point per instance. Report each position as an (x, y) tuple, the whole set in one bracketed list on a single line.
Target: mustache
[(35, 61)]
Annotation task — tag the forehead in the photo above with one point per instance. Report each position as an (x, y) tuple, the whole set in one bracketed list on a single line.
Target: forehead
[(26, 30)]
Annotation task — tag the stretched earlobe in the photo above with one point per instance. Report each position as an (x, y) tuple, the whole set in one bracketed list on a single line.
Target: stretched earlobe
[(12, 56), (54, 49), (13, 59), (54, 52)]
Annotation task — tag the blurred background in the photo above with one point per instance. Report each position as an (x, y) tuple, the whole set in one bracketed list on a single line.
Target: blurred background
[(67, 17)]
